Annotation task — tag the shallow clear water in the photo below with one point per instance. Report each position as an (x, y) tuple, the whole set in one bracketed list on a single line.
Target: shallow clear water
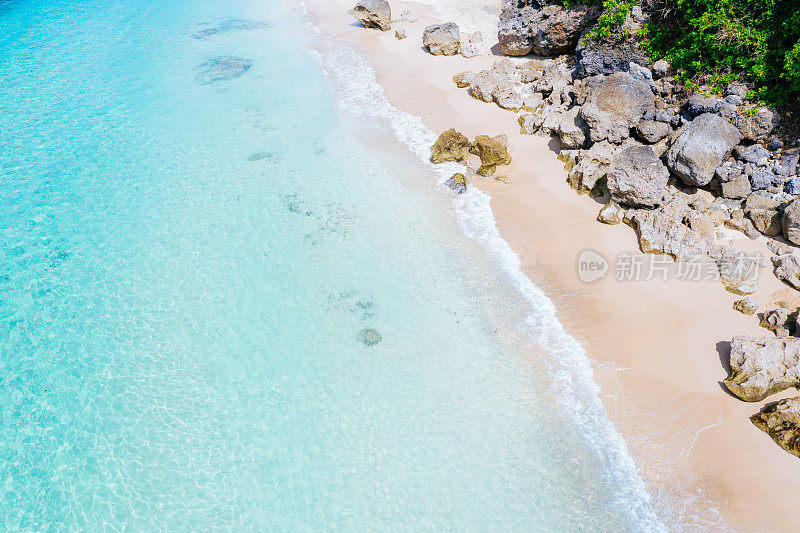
[(193, 234)]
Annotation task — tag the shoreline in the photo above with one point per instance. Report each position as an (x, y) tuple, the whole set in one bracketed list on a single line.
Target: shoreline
[(653, 342)]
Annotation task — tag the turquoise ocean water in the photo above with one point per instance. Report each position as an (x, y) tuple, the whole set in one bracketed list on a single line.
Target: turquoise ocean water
[(203, 205)]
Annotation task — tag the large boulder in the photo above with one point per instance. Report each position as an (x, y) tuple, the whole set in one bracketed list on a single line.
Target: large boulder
[(607, 56), (790, 223), (493, 151), (373, 14), (615, 106), (442, 39), (701, 148), (450, 146), (761, 366), (781, 421), (551, 30), (637, 177)]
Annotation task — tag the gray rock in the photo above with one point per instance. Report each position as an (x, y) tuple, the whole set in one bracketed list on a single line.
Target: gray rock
[(738, 271), (792, 186), (373, 14), (787, 269), (758, 126), (661, 69), (591, 170), (701, 147), (761, 179), (761, 366), (734, 100), (662, 231), (607, 57), (637, 177), (550, 30), (699, 104), (615, 106), (750, 154), (791, 222), (736, 89), (572, 130), (442, 39), (651, 131)]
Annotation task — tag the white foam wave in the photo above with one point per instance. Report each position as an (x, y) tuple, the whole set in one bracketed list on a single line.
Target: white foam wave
[(570, 368)]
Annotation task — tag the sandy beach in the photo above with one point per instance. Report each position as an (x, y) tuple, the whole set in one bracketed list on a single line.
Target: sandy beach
[(659, 346)]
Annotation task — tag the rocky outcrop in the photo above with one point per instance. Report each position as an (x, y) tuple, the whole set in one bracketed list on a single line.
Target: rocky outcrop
[(590, 172), (701, 147), (442, 39), (493, 152), (615, 106), (761, 366), (787, 269), (781, 321), (662, 231), (450, 146), (572, 130), (373, 14), (637, 177), (790, 223), (781, 421), (549, 30)]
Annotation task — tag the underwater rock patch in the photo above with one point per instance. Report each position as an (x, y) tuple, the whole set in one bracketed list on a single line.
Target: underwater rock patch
[(222, 68), (231, 25), (369, 337)]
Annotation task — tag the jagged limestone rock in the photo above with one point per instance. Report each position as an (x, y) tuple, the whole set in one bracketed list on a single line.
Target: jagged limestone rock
[(493, 152), (781, 421), (787, 269), (662, 231), (747, 306), (611, 213), (373, 14), (780, 321), (761, 366), (450, 146), (442, 39)]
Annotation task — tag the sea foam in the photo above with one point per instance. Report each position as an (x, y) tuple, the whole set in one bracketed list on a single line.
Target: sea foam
[(568, 364)]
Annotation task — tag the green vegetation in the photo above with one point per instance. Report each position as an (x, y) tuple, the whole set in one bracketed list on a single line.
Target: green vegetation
[(716, 42)]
